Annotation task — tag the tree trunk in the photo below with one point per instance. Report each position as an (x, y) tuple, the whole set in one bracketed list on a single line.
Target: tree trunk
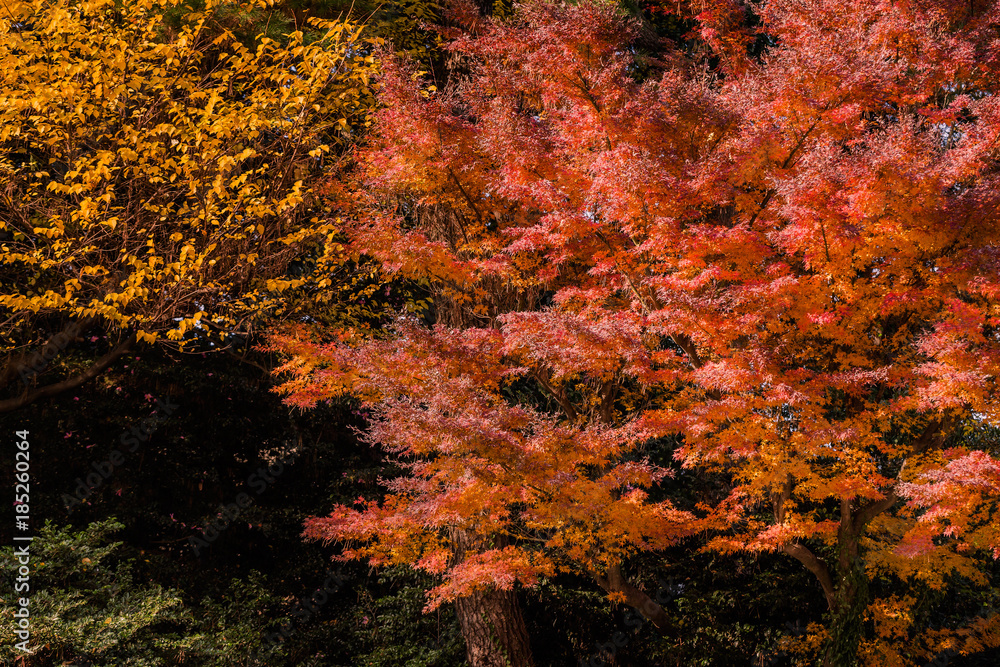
[(491, 621), (494, 630), (847, 593), (847, 612)]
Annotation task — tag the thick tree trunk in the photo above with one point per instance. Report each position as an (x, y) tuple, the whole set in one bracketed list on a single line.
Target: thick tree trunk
[(494, 630), (491, 621), (846, 597), (847, 610), (846, 618)]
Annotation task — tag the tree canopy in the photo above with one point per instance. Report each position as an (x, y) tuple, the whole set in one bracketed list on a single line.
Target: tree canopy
[(784, 260), (578, 332), (155, 184)]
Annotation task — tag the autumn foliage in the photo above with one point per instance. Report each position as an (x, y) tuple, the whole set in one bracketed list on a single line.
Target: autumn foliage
[(157, 181), (772, 239)]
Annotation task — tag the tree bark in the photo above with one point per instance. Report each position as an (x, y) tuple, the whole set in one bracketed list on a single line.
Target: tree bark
[(491, 620), (816, 566), (494, 630), (846, 596)]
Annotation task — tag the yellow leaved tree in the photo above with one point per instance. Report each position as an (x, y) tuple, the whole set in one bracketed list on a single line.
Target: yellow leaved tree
[(156, 184)]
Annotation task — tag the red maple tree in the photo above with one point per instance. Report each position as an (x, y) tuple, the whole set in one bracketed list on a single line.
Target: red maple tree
[(774, 237)]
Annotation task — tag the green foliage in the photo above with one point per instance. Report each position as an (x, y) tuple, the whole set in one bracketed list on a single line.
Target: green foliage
[(87, 606), (406, 24), (394, 632)]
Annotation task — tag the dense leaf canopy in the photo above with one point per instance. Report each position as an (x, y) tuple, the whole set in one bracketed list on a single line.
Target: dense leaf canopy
[(788, 260)]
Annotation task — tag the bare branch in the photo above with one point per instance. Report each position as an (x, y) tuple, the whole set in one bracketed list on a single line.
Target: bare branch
[(99, 366)]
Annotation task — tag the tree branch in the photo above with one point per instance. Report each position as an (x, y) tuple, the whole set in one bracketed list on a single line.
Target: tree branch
[(781, 498), (687, 345), (72, 329), (814, 565), (933, 435), (559, 396), (11, 404), (242, 358), (614, 582), (871, 510), (468, 199)]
